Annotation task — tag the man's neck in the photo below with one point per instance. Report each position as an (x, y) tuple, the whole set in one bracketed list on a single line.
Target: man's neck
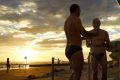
[(73, 14), (96, 29)]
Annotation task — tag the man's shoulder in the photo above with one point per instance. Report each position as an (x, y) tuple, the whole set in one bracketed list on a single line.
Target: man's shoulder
[(104, 31), (74, 19)]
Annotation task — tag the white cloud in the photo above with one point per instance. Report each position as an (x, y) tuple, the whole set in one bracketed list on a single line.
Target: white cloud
[(113, 18), (23, 24), (110, 18), (58, 16), (27, 7), (114, 33), (24, 36)]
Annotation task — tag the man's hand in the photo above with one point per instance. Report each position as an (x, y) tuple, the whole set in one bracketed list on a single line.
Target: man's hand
[(108, 47), (88, 41)]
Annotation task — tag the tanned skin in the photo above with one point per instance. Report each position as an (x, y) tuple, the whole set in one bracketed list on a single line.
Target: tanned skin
[(98, 45), (74, 30)]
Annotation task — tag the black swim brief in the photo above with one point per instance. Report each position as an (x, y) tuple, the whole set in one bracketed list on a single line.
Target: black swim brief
[(98, 56), (71, 49)]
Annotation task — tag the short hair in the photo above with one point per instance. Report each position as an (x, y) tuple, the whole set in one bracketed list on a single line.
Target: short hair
[(74, 7), (96, 19)]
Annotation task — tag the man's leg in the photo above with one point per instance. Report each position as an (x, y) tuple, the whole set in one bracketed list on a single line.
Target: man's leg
[(89, 67), (71, 77), (94, 65), (103, 63), (7, 70), (77, 64)]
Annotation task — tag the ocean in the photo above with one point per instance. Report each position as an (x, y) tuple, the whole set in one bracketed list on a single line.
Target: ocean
[(14, 66)]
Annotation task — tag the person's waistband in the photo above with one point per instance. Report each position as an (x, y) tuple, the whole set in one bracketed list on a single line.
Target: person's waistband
[(74, 46), (97, 53), (97, 46)]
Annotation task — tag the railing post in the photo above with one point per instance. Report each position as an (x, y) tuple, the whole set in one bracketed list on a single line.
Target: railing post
[(58, 61), (52, 68), (119, 67), (89, 69)]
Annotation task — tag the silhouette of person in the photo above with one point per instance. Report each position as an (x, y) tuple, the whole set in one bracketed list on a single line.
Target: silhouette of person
[(74, 30), (98, 46), (8, 65)]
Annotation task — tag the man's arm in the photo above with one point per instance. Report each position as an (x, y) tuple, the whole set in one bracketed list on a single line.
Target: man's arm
[(88, 42), (84, 38), (83, 32), (107, 42)]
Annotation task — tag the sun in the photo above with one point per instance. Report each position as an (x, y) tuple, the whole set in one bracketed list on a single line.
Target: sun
[(30, 54)]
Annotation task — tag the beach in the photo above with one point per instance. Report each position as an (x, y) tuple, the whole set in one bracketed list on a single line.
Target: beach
[(43, 73), (22, 74)]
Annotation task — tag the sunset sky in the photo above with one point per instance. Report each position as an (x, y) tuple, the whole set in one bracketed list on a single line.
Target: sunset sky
[(34, 28)]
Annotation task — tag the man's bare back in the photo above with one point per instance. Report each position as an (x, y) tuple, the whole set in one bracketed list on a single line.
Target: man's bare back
[(98, 49), (71, 31)]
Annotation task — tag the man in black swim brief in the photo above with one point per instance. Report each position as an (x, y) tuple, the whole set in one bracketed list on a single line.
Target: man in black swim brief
[(98, 49), (98, 56), (71, 49), (74, 30)]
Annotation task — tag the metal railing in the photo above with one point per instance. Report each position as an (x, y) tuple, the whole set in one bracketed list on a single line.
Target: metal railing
[(87, 68)]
